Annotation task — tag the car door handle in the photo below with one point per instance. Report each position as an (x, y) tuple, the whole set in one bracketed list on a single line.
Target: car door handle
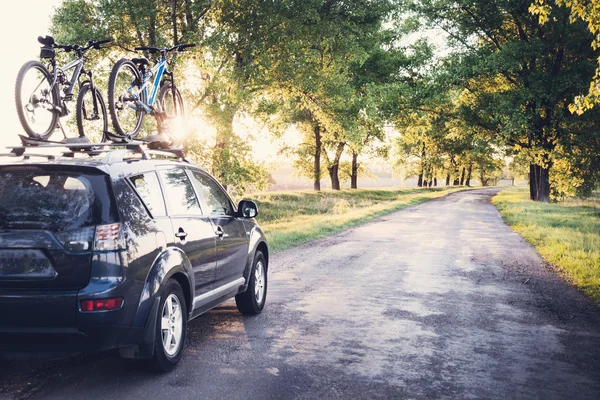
[(219, 232), (181, 234)]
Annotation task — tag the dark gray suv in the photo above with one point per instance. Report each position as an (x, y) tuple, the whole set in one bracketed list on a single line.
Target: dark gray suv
[(120, 250)]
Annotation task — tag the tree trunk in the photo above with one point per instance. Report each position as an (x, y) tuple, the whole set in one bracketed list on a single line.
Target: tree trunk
[(152, 29), (434, 181), (448, 179), (335, 167), (456, 181), (539, 183), (469, 173), (222, 157), (420, 183), (462, 177), (317, 165), (354, 176), (174, 19)]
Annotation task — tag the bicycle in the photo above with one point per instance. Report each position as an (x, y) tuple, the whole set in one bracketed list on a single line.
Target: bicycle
[(132, 93), (40, 102)]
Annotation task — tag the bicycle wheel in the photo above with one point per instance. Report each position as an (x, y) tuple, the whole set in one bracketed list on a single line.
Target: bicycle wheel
[(171, 103), (125, 97), (92, 120), (171, 106), (37, 102)]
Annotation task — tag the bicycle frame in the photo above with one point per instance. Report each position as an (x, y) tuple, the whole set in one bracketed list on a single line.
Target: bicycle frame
[(158, 70), (78, 65)]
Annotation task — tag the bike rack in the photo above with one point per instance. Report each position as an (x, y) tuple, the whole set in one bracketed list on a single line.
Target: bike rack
[(114, 151)]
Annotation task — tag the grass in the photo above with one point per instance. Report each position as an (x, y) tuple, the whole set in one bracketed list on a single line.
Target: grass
[(294, 217), (566, 234)]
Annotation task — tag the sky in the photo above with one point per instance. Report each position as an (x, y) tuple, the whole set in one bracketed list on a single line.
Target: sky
[(20, 25)]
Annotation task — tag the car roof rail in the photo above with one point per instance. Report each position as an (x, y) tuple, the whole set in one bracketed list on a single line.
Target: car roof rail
[(117, 156)]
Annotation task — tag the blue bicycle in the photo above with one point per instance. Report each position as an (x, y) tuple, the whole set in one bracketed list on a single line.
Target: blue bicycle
[(135, 89)]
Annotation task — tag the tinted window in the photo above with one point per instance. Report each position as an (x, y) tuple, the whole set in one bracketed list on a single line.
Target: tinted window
[(32, 198), (179, 192), (149, 190), (215, 198)]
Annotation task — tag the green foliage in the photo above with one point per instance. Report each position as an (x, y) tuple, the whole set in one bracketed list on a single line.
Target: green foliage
[(520, 77), (589, 12)]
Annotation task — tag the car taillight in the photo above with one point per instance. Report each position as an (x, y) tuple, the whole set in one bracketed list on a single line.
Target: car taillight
[(101, 304), (108, 237), (77, 240), (98, 238)]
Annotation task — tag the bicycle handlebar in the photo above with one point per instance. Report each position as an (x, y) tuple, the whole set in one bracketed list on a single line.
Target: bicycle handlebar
[(49, 41), (96, 43)]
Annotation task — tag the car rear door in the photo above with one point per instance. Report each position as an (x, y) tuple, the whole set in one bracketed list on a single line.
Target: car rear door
[(232, 239), (192, 231)]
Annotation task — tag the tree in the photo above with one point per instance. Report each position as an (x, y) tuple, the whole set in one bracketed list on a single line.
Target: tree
[(229, 35), (589, 12), (542, 68)]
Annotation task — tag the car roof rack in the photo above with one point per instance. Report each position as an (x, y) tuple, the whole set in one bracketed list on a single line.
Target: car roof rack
[(113, 152)]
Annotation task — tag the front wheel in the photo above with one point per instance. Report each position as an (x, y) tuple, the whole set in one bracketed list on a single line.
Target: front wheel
[(38, 102), (92, 119), (171, 107), (252, 301), (171, 326), (125, 99)]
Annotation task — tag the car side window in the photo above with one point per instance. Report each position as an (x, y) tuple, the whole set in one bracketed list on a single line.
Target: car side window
[(215, 198), (179, 192), (147, 186)]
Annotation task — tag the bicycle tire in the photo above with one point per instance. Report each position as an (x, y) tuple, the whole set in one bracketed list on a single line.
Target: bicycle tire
[(164, 90), (47, 129), (81, 113), (115, 105), (178, 110)]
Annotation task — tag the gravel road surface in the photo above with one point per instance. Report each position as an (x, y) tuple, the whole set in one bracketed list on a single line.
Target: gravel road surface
[(441, 300)]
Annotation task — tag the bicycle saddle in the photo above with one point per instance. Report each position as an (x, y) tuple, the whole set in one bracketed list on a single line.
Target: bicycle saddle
[(46, 40), (140, 61)]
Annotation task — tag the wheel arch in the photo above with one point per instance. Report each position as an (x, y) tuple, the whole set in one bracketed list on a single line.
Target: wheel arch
[(262, 247), (171, 263), (185, 284)]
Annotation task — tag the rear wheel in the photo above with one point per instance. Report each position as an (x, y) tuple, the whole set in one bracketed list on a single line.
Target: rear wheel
[(37, 102), (171, 326), (92, 120), (252, 301), (124, 99)]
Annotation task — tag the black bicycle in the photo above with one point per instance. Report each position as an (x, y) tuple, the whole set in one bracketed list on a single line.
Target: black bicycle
[(135, 89), (41, 102)]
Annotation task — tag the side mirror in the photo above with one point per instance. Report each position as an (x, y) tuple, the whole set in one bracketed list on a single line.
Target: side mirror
[(247, 209)]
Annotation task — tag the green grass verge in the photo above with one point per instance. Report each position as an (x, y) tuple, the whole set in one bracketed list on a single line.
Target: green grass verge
[(294, 217), (566, 234)]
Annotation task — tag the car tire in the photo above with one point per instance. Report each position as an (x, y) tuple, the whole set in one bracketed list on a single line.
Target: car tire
[(252, 301), (171, 328)]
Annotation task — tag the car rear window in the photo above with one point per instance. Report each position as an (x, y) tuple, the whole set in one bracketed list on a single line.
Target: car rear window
[(32, 198)]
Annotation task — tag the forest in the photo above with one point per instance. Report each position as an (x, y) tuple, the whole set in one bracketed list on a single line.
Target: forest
[(472, 88)]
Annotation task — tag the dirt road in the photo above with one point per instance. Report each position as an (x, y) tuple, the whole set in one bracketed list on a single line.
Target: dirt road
[(441, 300)]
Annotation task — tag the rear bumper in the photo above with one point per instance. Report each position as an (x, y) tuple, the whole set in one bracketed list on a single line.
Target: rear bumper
[(52, 322), (59, 340)]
